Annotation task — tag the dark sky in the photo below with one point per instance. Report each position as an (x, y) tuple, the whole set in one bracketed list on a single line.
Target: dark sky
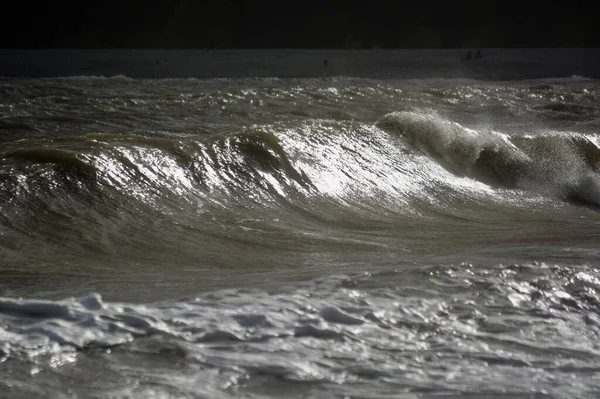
[(298, 24)]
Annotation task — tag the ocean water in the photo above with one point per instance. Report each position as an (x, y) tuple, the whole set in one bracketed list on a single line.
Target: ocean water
[(327, 236)]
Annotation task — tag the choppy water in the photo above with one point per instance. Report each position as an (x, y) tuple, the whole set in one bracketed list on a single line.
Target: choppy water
[(334, 237)]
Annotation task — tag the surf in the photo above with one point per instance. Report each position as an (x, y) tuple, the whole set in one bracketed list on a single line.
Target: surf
[(562, 164)]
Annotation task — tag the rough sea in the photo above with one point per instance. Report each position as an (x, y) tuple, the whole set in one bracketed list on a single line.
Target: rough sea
[(334, 236)]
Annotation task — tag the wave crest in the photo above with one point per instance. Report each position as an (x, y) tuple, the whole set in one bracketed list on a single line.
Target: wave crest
[(561, 164)]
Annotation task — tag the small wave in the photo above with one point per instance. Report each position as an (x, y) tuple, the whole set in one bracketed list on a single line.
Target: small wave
[(120, 77), (61, 158), (565, 109), (7, 125)]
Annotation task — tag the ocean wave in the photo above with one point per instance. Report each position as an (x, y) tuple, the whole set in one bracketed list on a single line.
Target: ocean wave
[(358, 165), (564, 164), (284, 186)]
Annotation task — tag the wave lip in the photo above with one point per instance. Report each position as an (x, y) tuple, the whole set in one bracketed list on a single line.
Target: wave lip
[(465, 152), (561, 164)]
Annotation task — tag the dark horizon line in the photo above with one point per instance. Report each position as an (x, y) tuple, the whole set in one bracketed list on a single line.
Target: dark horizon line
[(301, 48)]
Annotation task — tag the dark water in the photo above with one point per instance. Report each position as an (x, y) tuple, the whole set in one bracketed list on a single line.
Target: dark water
[(323, 237)]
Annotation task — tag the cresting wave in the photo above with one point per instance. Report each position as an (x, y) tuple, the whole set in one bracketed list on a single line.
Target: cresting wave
[(358, 166), (563, 164), (283, 188)]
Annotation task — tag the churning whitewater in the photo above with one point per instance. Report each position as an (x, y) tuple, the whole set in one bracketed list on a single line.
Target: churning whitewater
[(332, 237)]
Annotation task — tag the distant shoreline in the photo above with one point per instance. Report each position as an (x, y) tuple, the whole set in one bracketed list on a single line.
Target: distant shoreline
[(493, 64)]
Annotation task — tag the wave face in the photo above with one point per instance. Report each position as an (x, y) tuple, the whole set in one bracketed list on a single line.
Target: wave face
[(349, 235)]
